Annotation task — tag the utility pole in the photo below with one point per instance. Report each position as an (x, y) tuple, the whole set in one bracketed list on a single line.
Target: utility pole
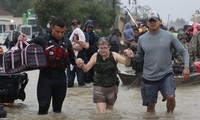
[(168, 21), (114, 2), (135, 2)]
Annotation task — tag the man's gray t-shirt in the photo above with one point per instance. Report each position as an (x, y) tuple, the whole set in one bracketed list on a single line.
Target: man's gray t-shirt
[(155, 49)]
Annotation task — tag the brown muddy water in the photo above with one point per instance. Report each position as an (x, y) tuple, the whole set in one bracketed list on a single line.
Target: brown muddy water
[(78, 105)]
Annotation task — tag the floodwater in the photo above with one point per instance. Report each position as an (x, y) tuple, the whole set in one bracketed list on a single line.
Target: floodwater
[(78, 105)]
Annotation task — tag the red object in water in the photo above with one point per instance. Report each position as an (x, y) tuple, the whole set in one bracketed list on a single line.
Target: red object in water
[(197, 66)]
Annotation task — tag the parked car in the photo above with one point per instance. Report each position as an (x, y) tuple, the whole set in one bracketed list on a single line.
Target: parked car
[(3, 36), (2, 50), (1, 55)]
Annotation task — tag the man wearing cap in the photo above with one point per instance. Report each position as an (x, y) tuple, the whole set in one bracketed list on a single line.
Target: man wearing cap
[(93, 39), (154, 47), (80, 44)]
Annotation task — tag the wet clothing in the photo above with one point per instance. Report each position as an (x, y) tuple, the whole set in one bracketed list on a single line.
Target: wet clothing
[(105, 80), (52, 81), (51, 87), (72, 72), (105, 94), (149, 89), (105, 71), (154, 48)]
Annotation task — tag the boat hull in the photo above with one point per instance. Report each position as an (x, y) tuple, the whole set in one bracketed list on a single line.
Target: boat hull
[(130, 78)]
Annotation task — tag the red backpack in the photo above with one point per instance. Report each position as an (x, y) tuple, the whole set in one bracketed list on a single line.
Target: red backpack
[(56, 54)]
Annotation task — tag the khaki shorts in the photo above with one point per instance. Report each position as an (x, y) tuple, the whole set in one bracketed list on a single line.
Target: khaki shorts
[(106, 95)]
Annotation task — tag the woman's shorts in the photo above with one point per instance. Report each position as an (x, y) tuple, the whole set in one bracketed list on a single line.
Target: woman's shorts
[(106, 95), (150, 89)]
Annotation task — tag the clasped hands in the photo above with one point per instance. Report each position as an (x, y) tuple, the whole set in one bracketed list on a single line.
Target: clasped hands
[(79, 62), (129, 53)]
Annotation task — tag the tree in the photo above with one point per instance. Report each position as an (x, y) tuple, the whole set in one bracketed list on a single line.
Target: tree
[(46, 8), (179, 23), (100, 11), (16, 7)]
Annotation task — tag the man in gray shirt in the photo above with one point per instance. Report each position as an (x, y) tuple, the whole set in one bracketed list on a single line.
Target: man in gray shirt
[(154, 47)]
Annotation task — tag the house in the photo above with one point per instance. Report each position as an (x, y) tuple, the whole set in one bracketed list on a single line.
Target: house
[(7, 21)]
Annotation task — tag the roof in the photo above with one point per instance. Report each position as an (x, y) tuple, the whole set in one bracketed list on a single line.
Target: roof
[(4, 12)]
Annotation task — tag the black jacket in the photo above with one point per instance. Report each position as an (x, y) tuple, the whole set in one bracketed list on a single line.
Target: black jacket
[(55, 72)]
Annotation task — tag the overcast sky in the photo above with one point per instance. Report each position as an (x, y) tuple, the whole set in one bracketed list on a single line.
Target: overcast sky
[(172, 8)]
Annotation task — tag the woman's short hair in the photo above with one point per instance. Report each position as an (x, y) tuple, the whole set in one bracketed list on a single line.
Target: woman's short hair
[(103, 41)]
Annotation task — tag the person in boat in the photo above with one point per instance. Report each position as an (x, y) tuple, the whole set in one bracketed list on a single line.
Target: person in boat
[(178, 63), (114, 40), (129, 36), (106, 82), (154, 47), (195, 44)]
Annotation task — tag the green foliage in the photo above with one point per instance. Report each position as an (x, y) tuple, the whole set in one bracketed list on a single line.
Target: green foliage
[(16, 7), (100, 11), (46, 8)]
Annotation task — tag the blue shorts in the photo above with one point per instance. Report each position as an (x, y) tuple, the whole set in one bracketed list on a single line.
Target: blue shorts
[(150, 89)]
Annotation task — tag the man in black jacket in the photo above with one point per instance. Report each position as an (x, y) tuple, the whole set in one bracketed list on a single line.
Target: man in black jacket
[(81, 48), (93, 39), (52, 78)]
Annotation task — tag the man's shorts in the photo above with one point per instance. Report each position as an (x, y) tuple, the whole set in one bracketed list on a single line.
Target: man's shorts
[(106, 95), (150, 89)]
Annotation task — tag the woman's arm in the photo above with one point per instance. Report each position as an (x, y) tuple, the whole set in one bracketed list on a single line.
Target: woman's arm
[(89, 65), (124, 60)]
